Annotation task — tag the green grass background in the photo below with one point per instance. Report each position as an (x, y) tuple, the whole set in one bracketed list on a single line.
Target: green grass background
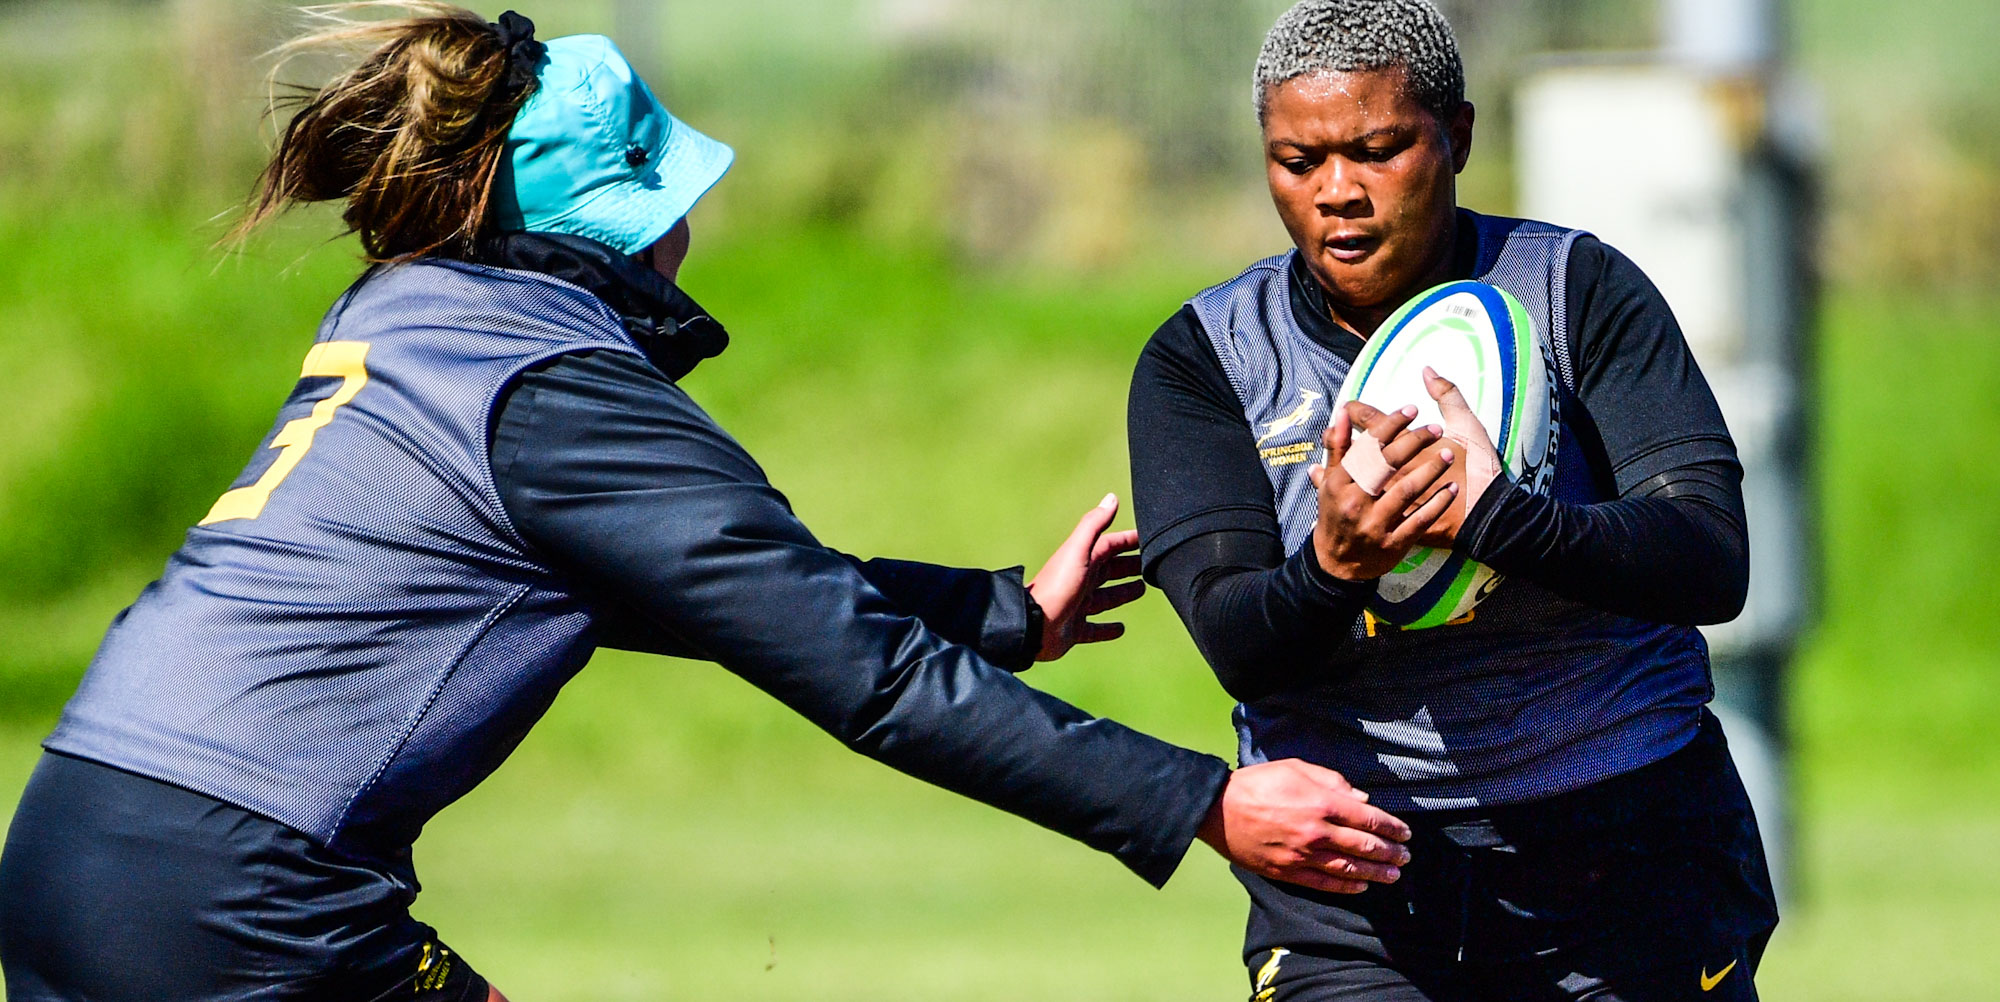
[(667, 832), (670, 833)]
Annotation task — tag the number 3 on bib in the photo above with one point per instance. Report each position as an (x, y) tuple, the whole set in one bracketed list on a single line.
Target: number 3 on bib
[(329, 359)]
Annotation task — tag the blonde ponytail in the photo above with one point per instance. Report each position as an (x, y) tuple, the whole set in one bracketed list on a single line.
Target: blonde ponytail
[(411, 138)]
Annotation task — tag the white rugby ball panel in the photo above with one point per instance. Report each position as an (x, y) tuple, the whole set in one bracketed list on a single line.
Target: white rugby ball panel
[(1471, 333), (1457, 341), (1480, 338)]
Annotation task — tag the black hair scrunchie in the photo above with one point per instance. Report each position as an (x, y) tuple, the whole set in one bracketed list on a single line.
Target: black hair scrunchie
[(517, 37)]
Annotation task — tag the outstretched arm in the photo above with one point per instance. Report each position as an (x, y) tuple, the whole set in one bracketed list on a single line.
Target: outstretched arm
[(616, 477)]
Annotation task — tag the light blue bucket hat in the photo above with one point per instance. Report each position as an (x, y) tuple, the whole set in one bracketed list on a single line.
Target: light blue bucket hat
[(594, 154)]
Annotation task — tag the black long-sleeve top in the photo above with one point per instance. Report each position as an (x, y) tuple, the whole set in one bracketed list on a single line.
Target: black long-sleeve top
[(1670, 546), (616, 476)]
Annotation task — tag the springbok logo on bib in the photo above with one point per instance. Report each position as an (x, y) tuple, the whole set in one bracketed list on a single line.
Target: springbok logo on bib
[(1308, 399)]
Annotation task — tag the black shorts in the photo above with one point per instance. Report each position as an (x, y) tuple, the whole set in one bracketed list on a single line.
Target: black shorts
[(114, 887), (1646, 886)]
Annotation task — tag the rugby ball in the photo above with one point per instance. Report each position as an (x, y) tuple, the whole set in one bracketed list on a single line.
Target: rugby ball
[(1480, 338)]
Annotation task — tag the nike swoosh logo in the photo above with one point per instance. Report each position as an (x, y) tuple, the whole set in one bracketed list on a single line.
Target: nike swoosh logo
[(1708, 983)]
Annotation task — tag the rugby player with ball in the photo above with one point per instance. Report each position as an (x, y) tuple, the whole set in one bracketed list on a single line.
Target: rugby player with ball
[(1578, 828)]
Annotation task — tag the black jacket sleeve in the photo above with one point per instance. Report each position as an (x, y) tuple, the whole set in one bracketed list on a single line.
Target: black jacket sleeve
[(623, 482), (987, 611)]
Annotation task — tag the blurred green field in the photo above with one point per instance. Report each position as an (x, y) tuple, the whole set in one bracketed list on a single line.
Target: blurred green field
[(670, 833)]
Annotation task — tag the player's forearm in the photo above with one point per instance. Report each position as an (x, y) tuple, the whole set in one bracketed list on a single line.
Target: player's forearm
[(1263, 623), (1674, 552), (987, 611)]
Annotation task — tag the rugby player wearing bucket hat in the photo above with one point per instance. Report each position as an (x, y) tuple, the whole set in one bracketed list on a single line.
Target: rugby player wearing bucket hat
[(486, 471), (1580, 832)]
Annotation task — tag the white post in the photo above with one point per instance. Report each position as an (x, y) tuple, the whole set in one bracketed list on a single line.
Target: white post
[(1763, 386)]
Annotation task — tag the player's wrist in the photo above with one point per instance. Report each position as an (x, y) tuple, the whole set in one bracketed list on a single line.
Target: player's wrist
[(1212, 831), (1033, 633), (1339, 582), (1504, 502)]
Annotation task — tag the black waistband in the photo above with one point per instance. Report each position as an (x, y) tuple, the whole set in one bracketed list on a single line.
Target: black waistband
[(106, 871)]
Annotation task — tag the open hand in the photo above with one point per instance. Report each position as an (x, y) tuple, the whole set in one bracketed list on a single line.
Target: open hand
[(1071, 586), (1366, 528), (1295, 821)]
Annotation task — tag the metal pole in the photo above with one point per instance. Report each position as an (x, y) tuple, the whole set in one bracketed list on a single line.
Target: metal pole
[(1738, 44)]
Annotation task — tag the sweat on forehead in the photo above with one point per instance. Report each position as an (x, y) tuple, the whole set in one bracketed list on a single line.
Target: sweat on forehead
[(1319, 36)]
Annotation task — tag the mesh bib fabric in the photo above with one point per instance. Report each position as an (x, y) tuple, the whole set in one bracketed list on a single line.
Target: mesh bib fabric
[(371, 640)]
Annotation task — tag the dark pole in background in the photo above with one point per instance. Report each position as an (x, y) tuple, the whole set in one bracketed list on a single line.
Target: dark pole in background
[(1696, 160), (1741, 43)]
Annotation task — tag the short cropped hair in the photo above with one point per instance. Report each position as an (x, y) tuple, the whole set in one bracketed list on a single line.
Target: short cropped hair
[(1319, 36)]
